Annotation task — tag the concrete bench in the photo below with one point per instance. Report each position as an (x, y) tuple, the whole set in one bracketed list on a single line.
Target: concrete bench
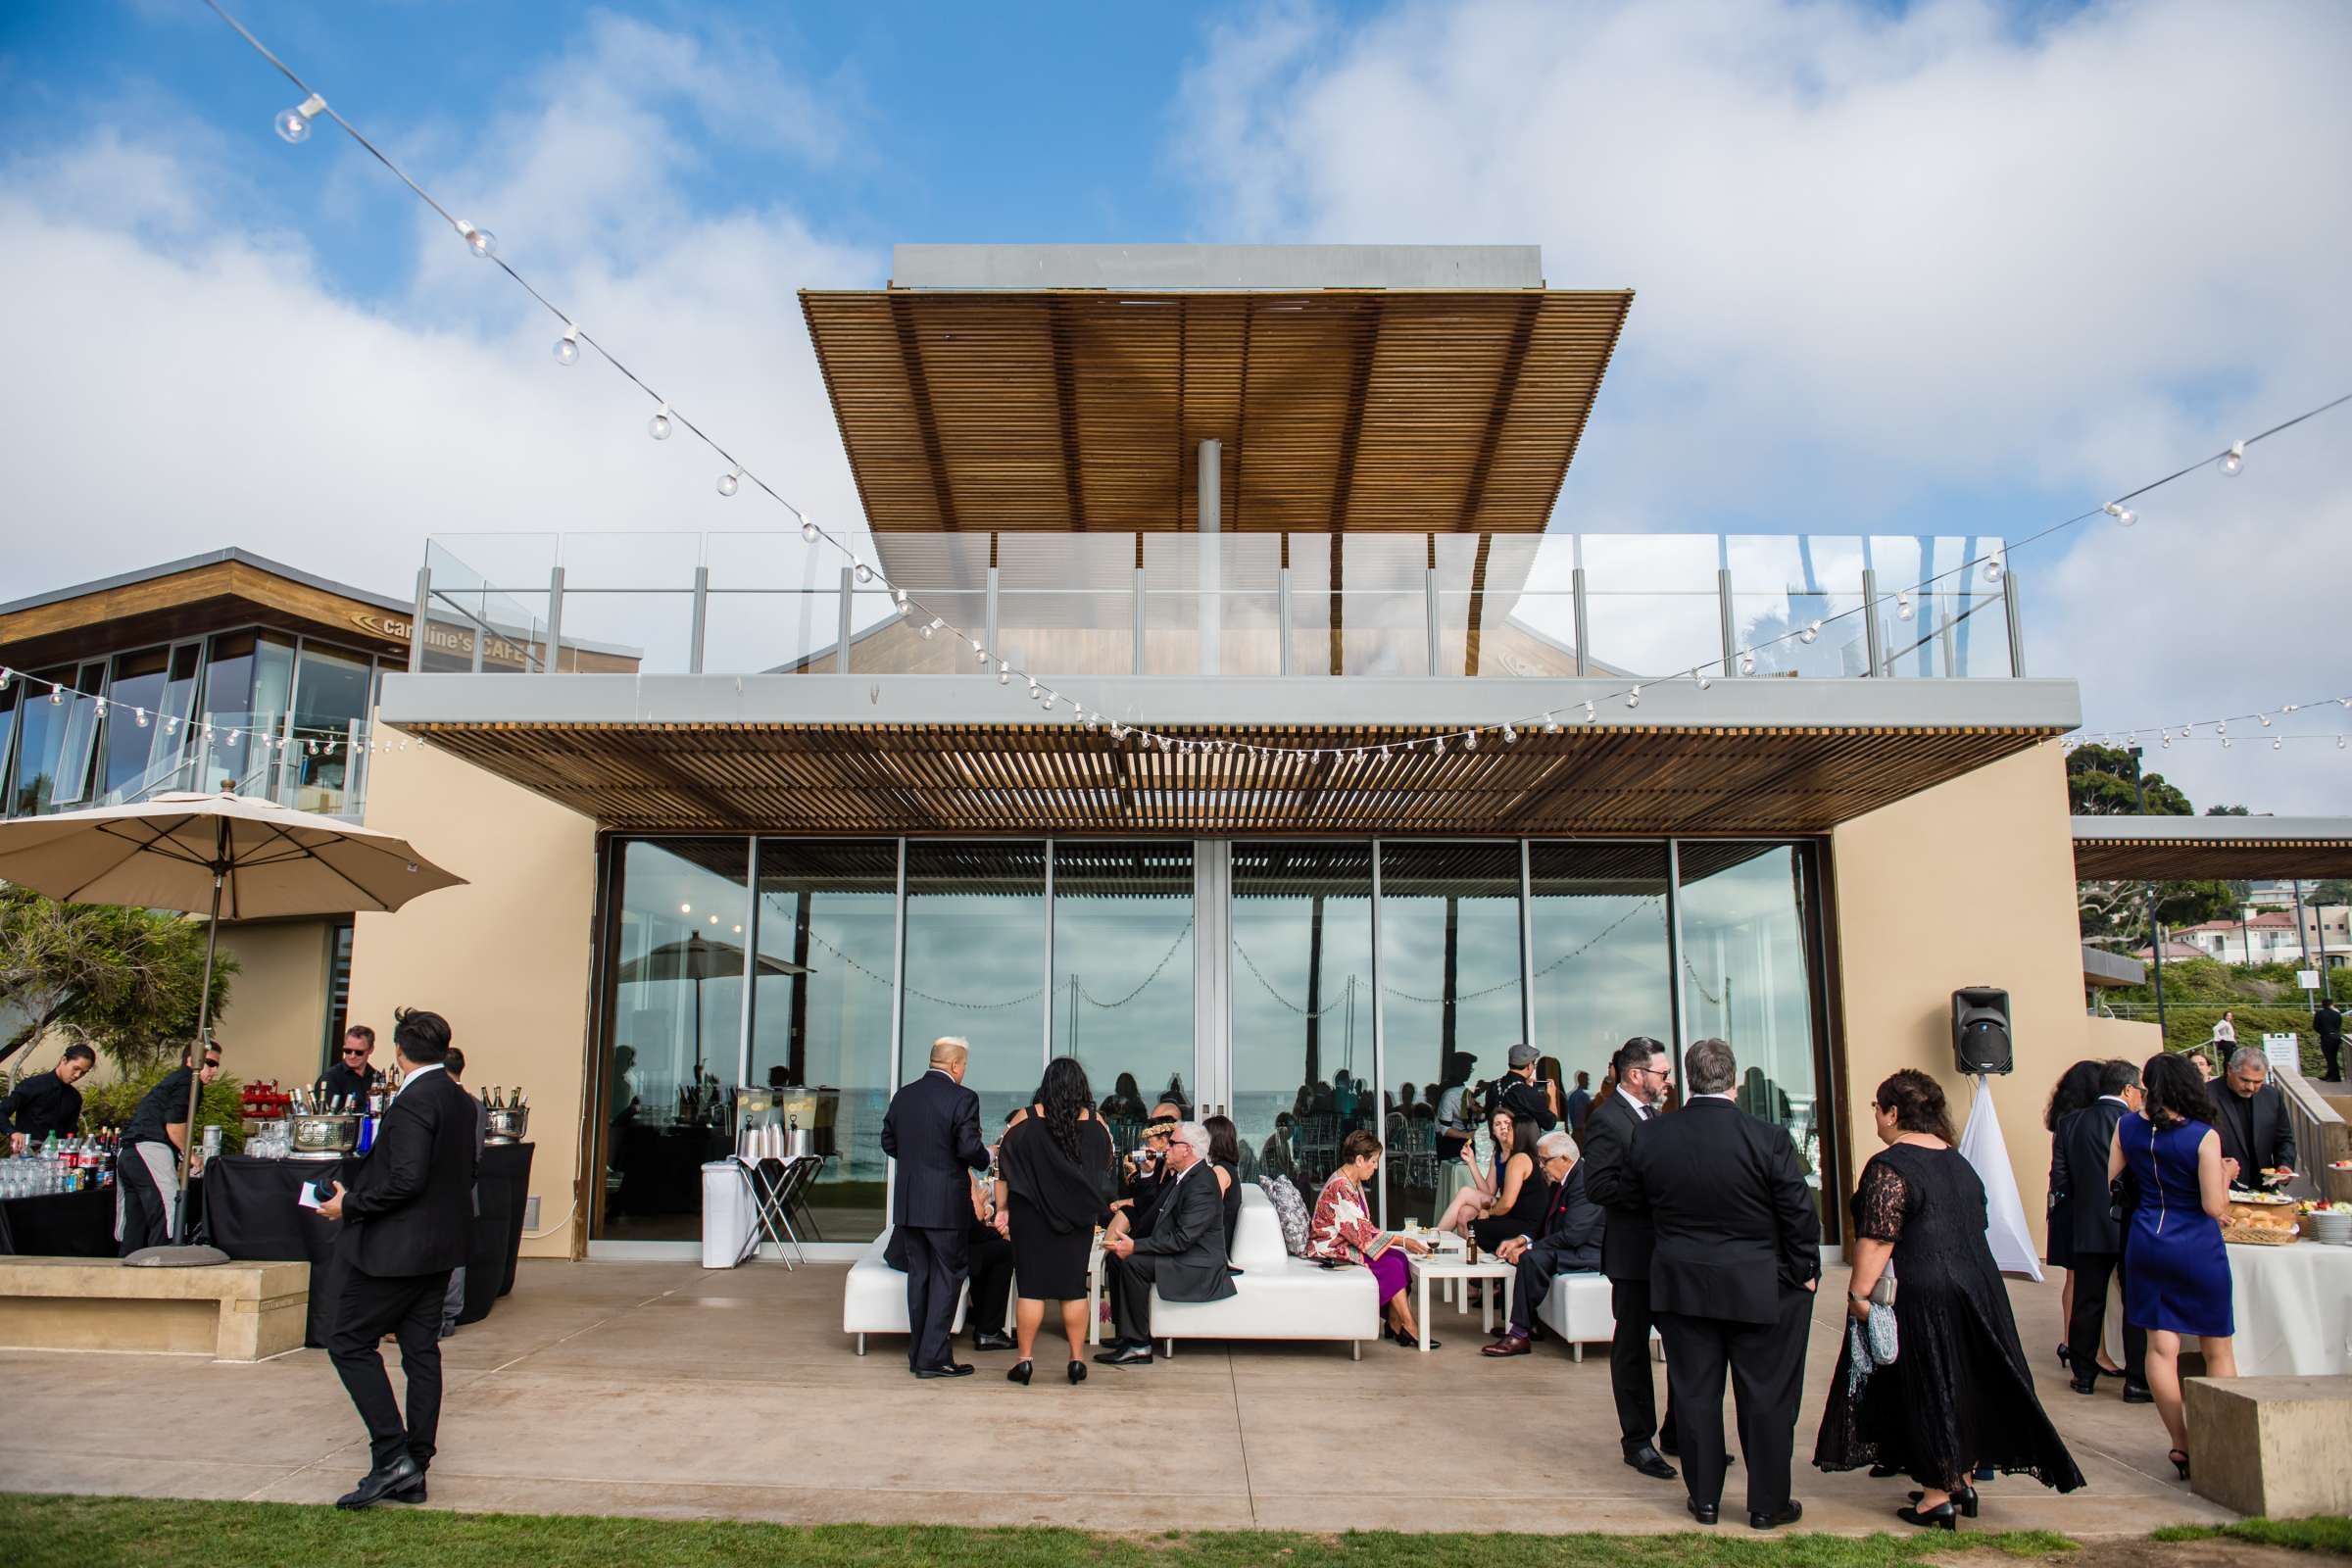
[(2271, 1447), (230, 1312)]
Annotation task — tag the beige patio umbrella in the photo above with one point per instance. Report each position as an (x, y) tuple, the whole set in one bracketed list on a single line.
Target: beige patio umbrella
[(226, 854)]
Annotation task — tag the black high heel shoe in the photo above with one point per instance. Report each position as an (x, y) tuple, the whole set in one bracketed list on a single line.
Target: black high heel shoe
[(1966, 1497), (1019, 1372), (2066, 1358), (1077, 1371), (1939, 1517), (2179, 1459)]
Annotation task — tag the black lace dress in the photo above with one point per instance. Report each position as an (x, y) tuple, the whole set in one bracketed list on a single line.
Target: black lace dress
[(1958, 1395)]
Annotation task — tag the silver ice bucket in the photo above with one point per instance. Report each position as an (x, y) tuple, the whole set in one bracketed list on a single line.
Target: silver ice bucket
[(321, 1137), (509, 1124)]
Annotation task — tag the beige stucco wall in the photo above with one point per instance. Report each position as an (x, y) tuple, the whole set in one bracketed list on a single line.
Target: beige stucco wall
[(275, 1021), (504, 959), (1969, 883)]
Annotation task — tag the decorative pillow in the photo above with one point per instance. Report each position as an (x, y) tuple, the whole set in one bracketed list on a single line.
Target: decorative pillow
[(1289, 1209)]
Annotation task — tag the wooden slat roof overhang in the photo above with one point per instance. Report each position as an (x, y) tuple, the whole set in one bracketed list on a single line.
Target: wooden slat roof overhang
[(2211, 847), (856, 755), (1070, 410)]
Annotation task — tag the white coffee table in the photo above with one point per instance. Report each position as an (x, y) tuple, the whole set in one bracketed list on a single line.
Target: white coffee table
[(1453, 1269)]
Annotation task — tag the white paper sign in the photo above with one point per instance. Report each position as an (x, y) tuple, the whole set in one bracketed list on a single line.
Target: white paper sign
[(2307, 979), (2282, 1050)]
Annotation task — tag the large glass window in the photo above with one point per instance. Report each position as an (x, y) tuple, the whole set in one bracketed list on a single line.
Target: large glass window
[(1123, 975), (1747, 910), (135, 694), (40, 734), (331, 705), (820, 1014), (1302, 989), (246, 684), (675, 976), (1449, 985), (1596, 924), (975, 965), (76, 765)]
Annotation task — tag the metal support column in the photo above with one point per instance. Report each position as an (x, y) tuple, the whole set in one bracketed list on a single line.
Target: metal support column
[(1282, 615), (1527, 947), (990, 638), (847, 602), (897, 1007), (1584, 623), (1674, 948), (1725, 613), (1044, 1014), (2017, 625), (1138, 622), (1429, 606), (751, 945), (1212, 1010), (1380, 1052), (424, 608), (2303, 947), (702, 620), (1874, 636), (554, 620), (1211, 564)]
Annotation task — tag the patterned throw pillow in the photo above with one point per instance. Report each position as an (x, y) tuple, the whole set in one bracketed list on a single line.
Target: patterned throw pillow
[(1289, 1209)]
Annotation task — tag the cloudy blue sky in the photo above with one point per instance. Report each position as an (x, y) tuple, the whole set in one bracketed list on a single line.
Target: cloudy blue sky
[(1950, 266)]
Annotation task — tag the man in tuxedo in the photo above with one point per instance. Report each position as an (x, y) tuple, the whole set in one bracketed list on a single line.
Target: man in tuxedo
[(453, 1301), (1645, 1071), (932, 1129), (406, 1221), (2078, 1182), (1567, 1242), (1184, 1253), (1732, 1277)]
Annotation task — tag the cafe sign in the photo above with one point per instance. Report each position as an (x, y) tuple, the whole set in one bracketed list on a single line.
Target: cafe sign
[(442, 638)]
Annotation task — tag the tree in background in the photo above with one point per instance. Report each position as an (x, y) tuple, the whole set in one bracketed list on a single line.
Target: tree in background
[(2100, 783), (127, 982), (2226, 811)]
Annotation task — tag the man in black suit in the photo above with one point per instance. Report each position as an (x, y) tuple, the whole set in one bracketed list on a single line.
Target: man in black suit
[(1184, 1253), (2328, 1022), (1567, 1242), (1518, 1092), (454, 1302), (2250, 1115), (2078, 1181), (406, 1218), (1645, 1071), (1732, 1278), (932, 1129)]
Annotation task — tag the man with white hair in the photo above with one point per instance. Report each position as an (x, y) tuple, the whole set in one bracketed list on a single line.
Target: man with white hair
[(1568, 1241), (1183, 1253), (932, 1129), (2250, 1115)]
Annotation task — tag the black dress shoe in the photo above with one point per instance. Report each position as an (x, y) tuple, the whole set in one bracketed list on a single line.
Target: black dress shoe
[(1646, 1459), (954, 1369), (1790, 1513), (1126, 1355), (377, 1484), (2138, 1394), (2089, 1385), (410, 1494), (1705, 1514), (1939, 1517), (992, 1342)]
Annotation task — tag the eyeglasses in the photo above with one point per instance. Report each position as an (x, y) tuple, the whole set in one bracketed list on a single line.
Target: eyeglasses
[(353, 1051), (212, 1062)]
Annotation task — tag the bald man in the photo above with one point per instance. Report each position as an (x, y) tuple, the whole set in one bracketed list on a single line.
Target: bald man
[(932, 1129)]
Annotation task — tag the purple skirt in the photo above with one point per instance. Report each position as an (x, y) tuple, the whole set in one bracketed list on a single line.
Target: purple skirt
[(1391, 1271)]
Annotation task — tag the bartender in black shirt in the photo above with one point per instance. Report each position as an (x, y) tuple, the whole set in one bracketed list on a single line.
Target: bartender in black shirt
[(147, 1180), (352, 1074), (47, 1102)]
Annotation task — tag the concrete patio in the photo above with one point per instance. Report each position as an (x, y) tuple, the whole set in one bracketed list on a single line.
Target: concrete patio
[(661, 1390)]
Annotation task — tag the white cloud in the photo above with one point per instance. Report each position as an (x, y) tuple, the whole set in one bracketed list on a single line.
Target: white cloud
[(181, 379), (1889, 263)]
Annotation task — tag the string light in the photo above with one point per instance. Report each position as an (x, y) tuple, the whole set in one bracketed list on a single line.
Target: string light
[(1699, 678), (1809, 633), (865, 574), (1470, 741), (659, 426), (1902, 607), (1747, 661), (294, 124), (730, 481), (1510, 736), (2120, 513), (809, 537), (1633, 698), (567, 352), (2233, 459), (480, 241)]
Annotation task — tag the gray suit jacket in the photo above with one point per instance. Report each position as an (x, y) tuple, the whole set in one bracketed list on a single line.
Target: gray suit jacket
[(1187, 1239)]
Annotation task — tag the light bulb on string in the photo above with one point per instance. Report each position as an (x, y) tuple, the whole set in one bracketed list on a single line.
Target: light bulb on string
[(1748, 663), (659, 426), (730, 481), (294, 124), (2277, 742), (1633, 698), (2120, 513), (936, 623), (808, 536), (865, 574), (1699, 678), (1552, 725), (57, 694), (1094, 721), (902, 605), (1591, 714), (142, 717), (2225, 743), (567, 347), (480, 241), (1004, 674), (1902, 607), (1470, 741), (235, 735), (2233, 459), (1993, 570), (1809, 633), (1510, 736)]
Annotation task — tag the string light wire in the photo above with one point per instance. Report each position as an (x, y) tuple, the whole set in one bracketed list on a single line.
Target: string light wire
[(1994, 561)]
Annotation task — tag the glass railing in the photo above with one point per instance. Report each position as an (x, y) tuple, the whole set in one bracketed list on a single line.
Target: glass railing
[(1500, 606)]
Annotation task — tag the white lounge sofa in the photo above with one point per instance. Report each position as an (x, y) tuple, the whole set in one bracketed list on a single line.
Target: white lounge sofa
[(1576, 1309), (1277, 1296), (874, 1299)]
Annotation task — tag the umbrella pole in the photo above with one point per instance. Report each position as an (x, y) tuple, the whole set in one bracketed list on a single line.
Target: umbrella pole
[(204, 1028)]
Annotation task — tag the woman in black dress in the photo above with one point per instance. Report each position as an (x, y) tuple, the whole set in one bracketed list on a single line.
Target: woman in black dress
[(2078, 1089), (1225, 1158), (1957, 1396), (1058, 1172)]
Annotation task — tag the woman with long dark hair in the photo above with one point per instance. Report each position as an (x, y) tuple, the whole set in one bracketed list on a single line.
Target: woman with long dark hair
[(1058, 1169), (2077, 1088), (1225, 1158), (2176, 1269), (1957, 1396)]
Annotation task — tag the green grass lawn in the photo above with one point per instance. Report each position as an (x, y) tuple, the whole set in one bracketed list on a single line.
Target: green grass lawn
[(82, 1532), (43, 1531)]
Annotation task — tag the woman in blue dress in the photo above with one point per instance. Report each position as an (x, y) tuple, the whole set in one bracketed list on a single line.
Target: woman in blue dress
[(2176, 1269)]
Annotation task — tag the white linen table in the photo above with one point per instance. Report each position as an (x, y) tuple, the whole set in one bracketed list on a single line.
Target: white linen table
[(2292, 1306)]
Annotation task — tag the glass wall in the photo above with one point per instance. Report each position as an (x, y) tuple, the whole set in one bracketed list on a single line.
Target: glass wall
[(1596, 922), (821, 1012), (675, 988), (1302, 989), (1106, 971), (975, 965), (330, 707), (1450, 986), (1747, 917), (247, 682), (1122, 999)]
